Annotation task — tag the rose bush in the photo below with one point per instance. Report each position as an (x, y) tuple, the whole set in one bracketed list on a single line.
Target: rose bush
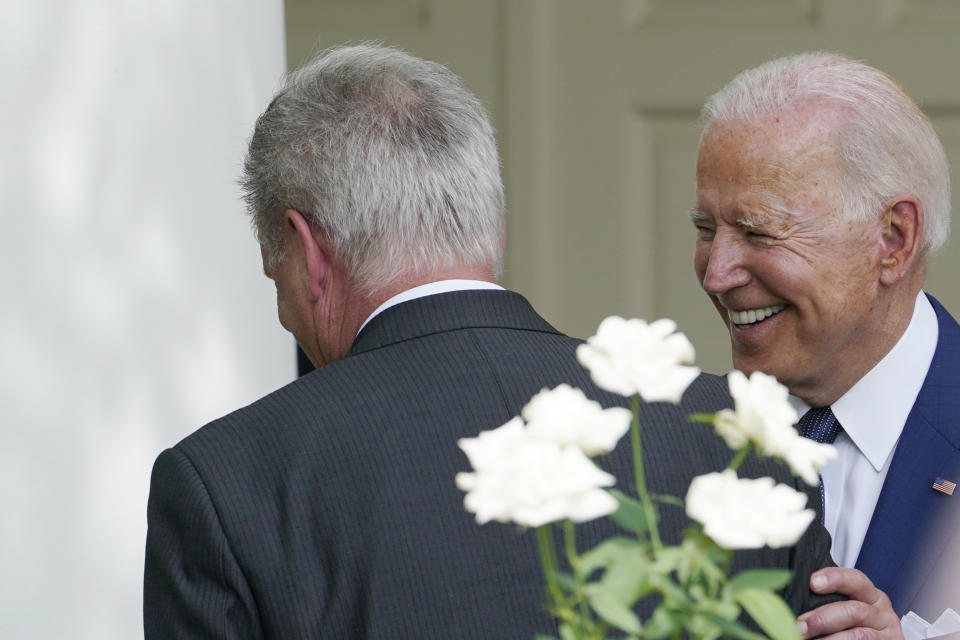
[(535, 470)]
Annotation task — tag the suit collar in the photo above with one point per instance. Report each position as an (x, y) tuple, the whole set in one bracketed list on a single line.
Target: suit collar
[(448, 312), (429, 289), (896, 552), (939, 402)]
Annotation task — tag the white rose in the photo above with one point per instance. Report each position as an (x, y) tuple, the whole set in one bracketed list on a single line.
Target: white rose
[(806, 457), (632, 357), (762, 414), (489, 448), (564, 415), (729, 428), (530, 481), (741, 513)]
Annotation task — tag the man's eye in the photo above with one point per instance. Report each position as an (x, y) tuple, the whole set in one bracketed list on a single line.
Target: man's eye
[(704, 231)]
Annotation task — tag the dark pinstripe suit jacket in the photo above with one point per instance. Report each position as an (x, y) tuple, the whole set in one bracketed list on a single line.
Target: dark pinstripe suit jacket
[(328, 508)]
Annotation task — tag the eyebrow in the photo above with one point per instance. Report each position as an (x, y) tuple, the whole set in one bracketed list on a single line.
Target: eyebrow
[(697, 217), (749, 223)]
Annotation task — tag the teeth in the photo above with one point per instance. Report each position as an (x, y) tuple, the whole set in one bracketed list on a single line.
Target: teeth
[(754, 315)]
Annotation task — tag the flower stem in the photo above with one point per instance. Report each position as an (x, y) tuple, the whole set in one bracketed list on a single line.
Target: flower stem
[(641, 479), (548, 561), (741, 456), (570, 545)]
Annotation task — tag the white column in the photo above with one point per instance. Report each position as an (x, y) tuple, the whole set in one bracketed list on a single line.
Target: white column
[(134, 308)]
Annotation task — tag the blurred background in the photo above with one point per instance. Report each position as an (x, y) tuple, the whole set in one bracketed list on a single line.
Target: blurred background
[(135, 306)]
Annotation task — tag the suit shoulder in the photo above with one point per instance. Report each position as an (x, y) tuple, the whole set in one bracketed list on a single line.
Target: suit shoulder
[(264, 423), (708, 393), (360, 396)]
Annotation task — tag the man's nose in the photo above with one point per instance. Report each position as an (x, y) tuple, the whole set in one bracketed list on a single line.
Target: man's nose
[(725, 269)]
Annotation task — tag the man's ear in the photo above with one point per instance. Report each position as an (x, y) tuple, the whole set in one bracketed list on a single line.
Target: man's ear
[(313, 252), (902, 227)]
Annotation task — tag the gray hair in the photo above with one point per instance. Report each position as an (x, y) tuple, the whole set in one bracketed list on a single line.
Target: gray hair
[(389, 156), (885, 142)]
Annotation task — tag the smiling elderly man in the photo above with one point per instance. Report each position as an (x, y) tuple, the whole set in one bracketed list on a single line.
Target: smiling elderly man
[(822, 189)]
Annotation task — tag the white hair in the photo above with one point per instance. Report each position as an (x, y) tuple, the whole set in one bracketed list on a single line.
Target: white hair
[(886, 144), (389, 156)]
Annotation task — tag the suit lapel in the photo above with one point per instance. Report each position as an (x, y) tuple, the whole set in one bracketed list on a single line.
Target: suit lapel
[(900, 548)]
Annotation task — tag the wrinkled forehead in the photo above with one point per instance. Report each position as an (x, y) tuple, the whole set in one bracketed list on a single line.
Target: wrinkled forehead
[(776, 150)]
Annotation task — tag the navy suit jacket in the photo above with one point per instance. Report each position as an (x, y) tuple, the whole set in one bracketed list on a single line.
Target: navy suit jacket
[(912, 546), (328, 508)]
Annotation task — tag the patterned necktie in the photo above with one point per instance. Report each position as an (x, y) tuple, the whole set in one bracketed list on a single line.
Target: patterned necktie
[(820, 425)]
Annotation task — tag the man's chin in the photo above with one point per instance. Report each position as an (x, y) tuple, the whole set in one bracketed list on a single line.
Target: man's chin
[(749, 363)]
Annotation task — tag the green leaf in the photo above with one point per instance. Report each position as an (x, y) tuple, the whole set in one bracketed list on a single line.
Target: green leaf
[(770, 612), (667, 499), (566, 582), (664, 622), (628, 578), (767, 579), (611, 609), (567, 632), (630, 515), (671, 559), (734, 629), (718, 555), (703, 565), (607, 553), (702, 626), (708, 418), (672, 594), (723, 608)]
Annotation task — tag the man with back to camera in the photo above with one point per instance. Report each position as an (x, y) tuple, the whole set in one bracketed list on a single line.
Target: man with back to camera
[(821, 191), (328, 508)]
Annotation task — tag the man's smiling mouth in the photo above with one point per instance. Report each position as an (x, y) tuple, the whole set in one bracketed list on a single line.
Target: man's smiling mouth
[(752, 316)]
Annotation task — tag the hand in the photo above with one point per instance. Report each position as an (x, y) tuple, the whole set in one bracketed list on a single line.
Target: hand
[(867, 615)]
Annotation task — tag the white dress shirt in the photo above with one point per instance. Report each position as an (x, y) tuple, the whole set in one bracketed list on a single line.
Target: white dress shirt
[(429, 289), (873, 413)]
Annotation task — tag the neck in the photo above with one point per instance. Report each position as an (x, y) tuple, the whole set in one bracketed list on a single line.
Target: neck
[(356, 307), (399, 286), (890, 320)]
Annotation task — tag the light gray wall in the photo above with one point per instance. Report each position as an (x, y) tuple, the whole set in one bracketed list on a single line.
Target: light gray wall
[(134, 307)]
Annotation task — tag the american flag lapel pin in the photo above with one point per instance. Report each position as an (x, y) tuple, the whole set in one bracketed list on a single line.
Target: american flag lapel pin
[(944, 486)]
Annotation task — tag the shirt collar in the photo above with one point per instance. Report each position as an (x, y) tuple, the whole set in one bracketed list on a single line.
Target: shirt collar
[(429, 289), (874, 411)]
